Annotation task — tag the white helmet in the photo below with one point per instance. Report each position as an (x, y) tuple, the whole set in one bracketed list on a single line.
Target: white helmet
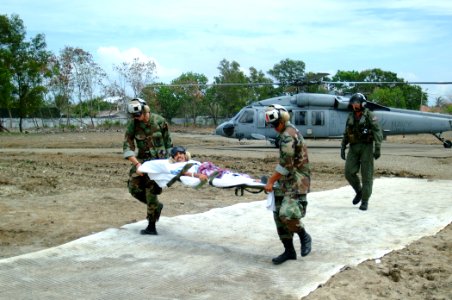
[(136, 106), (274, 112)]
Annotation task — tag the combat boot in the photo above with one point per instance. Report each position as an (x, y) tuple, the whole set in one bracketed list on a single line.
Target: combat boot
[(364, 204), (305, 240), (289, 252), (357, 198), (150, 229)]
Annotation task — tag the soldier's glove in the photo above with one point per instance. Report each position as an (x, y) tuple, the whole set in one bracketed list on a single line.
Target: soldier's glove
[(377, 153), (343, 152)]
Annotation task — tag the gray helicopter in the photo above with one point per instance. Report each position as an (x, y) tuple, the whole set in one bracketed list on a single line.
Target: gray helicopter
[(324, 116)]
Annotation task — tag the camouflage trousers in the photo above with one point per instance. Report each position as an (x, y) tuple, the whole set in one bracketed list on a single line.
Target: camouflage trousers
[(288, 213), (145, 190), (360, 156)]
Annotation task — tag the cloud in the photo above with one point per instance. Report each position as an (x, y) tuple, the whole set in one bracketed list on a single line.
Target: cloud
[(113, 56)]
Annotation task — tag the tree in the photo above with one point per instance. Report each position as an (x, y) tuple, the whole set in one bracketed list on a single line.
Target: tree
[(212, 106), (413, 95), (388, 97), (190, 90), (267, 90), (346, 76), (162, 99), (314, 78), (23, 66), (80, 76), (8, 34), (398, 94), (231, 98), (137, 74), (287, 72), (60, 85)]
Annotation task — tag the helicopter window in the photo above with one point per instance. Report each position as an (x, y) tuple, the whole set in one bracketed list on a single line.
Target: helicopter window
[(318, 118), (247, 117), (261, 119), (300, 118)]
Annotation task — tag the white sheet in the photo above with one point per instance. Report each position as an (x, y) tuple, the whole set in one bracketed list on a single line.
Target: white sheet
[(162, 171)]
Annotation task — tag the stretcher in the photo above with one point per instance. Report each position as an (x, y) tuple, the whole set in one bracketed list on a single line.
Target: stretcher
[(165, 174)]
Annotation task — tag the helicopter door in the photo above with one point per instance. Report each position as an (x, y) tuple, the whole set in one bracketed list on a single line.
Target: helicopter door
[(318, 124), (245, 124)]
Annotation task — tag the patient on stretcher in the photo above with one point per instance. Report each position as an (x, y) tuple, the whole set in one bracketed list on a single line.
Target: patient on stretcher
[(201, 170), (194, 173)]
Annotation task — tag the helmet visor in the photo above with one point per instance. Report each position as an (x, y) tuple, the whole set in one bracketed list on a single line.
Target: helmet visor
[(272, 117), (135, 108)]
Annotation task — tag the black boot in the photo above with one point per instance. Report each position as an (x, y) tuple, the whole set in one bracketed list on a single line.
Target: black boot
[(364, 204), (357, 198), (289, 252), (150, 229), (305, 240)]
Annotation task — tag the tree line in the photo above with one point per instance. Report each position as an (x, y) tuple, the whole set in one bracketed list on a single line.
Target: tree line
[(33, 78)]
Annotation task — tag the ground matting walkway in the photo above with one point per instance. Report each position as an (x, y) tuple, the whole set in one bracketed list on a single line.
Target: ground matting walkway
[(226, 253)]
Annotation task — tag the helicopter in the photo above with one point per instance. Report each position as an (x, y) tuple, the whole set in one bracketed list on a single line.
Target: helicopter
[(324, 116)]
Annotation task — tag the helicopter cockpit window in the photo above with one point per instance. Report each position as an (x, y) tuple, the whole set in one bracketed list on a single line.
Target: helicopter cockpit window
[(300, 118), (247, 117), (318, 118)]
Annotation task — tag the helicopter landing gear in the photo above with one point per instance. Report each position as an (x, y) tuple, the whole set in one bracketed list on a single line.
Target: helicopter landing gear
[(446, 143)]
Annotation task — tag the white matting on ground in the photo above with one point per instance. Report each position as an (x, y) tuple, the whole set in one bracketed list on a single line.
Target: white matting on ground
[(226, 253)]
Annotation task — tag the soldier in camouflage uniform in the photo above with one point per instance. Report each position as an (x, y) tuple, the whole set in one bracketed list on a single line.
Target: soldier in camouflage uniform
[(148, 134), (364, 135), (293, 177)]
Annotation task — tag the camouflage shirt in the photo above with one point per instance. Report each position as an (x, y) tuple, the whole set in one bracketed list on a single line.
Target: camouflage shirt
[(152, 139), (293, 161), (363, 130)]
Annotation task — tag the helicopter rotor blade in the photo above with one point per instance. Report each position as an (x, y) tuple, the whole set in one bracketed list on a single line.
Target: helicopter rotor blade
[(387, 82), (301, 83)]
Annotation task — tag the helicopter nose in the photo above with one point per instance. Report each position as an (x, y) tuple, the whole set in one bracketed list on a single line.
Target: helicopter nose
[(225, 130), (228, 129)]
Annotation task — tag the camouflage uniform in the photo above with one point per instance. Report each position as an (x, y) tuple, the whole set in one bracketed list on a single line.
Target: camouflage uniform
[(152, 141), (290, 197), (361, 134)]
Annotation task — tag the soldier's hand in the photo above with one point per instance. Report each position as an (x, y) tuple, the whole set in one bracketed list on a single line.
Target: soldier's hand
[(203, 177), (136, 171), (377, 153), (268, 187), (343, 153)]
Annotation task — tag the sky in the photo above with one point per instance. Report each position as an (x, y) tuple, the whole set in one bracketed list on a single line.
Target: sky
[(412, 38)]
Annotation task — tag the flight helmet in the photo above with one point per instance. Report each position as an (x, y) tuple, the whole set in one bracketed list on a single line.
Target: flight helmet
[(275, 113), (358, 97), (137, 106)]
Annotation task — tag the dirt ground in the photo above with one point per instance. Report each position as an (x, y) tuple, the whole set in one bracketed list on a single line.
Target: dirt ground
[(57, 187)]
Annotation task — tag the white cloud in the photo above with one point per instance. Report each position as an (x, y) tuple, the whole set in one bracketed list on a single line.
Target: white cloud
[(109, 56)]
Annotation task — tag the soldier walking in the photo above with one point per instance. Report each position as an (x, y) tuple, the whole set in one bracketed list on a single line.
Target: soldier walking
[(146, 138), (293, 176), (364, 135)]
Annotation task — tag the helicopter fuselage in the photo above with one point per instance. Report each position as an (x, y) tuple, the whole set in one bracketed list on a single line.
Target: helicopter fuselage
[(324, 116)]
